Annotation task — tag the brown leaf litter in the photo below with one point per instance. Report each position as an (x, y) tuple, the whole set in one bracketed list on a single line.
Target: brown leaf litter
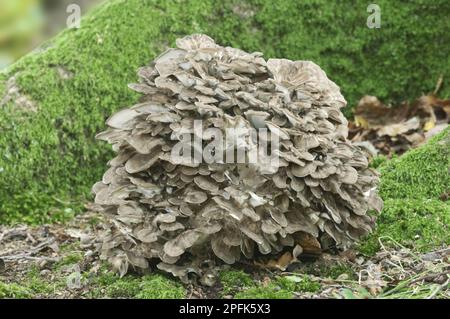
[(23, 248), (394, 130)]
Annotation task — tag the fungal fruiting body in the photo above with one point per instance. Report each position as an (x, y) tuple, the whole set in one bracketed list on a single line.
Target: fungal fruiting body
[(179, 213)]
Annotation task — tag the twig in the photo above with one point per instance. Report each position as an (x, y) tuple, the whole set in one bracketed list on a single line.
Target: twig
[(438, 289), (430, 277), (404, 284), (9, 233), (320, 278), (417, 257), (29, 254), (191, 287), (28, 257)]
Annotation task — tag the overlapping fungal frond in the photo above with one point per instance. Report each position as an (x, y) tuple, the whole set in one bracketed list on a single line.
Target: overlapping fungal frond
[(180, 213)]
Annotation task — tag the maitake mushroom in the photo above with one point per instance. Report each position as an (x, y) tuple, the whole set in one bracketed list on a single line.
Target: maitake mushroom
[(181, 214)]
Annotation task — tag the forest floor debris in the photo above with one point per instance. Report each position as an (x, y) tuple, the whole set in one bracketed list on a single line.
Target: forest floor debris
[(61, 261), (389, 130)]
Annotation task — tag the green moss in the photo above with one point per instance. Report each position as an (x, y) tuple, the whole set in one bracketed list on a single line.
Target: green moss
[(123, 288), (419, 173), (39, 286), (269, 292), (233, 281), (105, 277), (71, 254), (49, 158), (104, 285), (32, 285), (2, 83), (377, 161), (298, 284), (159, 287), (416, 223), (146, 287), (13, 291), (413, 214), (280, 288)]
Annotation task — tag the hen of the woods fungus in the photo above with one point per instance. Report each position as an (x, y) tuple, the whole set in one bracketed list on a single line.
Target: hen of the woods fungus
[(179, 212)]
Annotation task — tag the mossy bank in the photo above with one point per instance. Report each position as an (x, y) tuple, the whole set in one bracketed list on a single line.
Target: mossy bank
[(56, 99), (413, 187)]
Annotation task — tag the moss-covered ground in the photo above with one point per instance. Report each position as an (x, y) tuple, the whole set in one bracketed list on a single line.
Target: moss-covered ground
[(49, 158), (241, 285), (103, 285), (68, 267), (338, 280)]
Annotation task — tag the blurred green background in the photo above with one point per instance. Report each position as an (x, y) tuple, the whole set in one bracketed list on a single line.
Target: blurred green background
[(24, 24)]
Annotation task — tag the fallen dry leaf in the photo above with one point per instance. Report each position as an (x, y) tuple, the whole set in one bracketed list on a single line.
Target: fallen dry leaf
[(394, 130), (309, 244), (282, 263)]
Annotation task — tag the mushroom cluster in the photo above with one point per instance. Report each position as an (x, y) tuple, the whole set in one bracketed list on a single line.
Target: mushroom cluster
[(180, 214)]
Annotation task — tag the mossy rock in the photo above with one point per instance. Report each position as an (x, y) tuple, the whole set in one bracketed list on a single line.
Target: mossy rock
[(412, 185), (68, 87)]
